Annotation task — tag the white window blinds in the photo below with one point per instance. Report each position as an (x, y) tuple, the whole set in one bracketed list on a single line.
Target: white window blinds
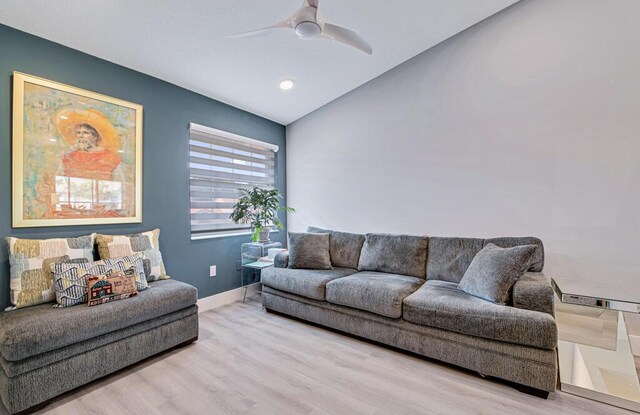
[(220, 163)]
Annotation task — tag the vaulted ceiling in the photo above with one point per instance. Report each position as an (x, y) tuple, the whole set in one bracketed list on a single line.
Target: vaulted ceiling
[(183, 42)]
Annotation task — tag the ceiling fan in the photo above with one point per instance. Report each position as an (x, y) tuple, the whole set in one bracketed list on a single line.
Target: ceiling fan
[(308, 23)]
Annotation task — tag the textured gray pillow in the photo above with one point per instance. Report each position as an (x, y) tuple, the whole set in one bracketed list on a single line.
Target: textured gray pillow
[(494, 270), (309, 250)]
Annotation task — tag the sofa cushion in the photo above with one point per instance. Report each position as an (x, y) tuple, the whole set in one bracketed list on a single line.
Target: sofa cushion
[(449, 258), (394, 254), (308, 283), (494, 270), (537, 261), (34, 330), (344, 247), (376, 292), (16, 368), (309, 250), (443, 305)]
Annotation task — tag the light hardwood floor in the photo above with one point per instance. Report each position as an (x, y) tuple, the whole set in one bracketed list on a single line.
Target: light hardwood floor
[(250, 362)]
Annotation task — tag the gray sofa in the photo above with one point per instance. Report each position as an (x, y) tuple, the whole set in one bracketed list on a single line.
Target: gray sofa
[(403, 291), (46, 351)]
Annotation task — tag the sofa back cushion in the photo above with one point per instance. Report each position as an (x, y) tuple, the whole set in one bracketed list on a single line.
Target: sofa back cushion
[(344, 247), (395, 254), (449, 257)]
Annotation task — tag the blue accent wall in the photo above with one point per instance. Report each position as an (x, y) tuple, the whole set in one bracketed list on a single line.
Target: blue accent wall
[(168, 109)]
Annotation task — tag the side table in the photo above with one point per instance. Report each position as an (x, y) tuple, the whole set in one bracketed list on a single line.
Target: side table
[(594, 350), (251, 267), (255, 268)]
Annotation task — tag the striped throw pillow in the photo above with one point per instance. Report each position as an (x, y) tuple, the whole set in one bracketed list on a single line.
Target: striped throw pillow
[(70, 279)]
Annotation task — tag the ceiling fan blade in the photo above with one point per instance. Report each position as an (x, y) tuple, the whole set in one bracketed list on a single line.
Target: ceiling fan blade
[(310, 3), (285, 24), (346, 36)]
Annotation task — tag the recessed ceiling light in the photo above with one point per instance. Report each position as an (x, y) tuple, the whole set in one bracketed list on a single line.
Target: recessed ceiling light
[(287, 84)]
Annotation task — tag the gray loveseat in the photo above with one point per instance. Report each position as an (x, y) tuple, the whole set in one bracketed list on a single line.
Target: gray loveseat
[(46, 351), (403, 291)]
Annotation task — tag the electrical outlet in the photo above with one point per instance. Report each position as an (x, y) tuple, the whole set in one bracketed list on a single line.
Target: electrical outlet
[(212, 271)]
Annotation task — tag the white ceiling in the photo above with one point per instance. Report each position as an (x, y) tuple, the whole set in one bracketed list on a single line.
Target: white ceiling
[(182, 42)]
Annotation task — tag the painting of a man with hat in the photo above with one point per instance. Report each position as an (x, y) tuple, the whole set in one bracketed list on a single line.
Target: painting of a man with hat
[(94, 142), (77, 156)]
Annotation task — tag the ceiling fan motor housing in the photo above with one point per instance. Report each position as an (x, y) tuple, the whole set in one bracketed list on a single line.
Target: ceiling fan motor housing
[(308, 30)]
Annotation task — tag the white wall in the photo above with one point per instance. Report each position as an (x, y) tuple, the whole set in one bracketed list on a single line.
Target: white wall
[(525, 124)]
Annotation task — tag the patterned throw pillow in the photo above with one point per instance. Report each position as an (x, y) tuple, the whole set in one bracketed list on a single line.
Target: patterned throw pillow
[(71, 283), (114, 246), (31, 281), (117, 286)]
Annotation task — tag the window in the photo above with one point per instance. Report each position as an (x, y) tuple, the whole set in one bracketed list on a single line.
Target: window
[(220, 164)]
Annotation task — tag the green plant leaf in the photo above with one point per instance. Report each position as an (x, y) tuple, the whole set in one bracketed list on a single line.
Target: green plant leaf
[(259, 207)]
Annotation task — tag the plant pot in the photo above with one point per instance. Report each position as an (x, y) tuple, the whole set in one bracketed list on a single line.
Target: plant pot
[(264, 236)]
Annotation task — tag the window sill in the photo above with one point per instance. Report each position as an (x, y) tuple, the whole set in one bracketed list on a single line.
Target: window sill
[(224, 235)]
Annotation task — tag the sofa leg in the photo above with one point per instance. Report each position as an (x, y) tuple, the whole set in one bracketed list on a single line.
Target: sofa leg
[(186, 343), (538, 393)]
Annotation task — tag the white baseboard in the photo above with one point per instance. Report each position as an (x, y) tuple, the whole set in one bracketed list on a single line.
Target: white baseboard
[(227, 297)]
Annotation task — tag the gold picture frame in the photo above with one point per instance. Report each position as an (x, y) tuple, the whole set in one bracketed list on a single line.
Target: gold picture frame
[(77, 156)]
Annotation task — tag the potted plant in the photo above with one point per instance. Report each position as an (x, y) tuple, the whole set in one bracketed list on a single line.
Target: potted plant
[(259, 208)]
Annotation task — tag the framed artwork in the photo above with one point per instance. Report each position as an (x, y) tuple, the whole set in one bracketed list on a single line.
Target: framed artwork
[(77, 156)]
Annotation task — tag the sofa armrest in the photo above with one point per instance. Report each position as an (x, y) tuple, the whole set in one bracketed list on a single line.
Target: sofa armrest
[(281, 260), (533, 291)]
